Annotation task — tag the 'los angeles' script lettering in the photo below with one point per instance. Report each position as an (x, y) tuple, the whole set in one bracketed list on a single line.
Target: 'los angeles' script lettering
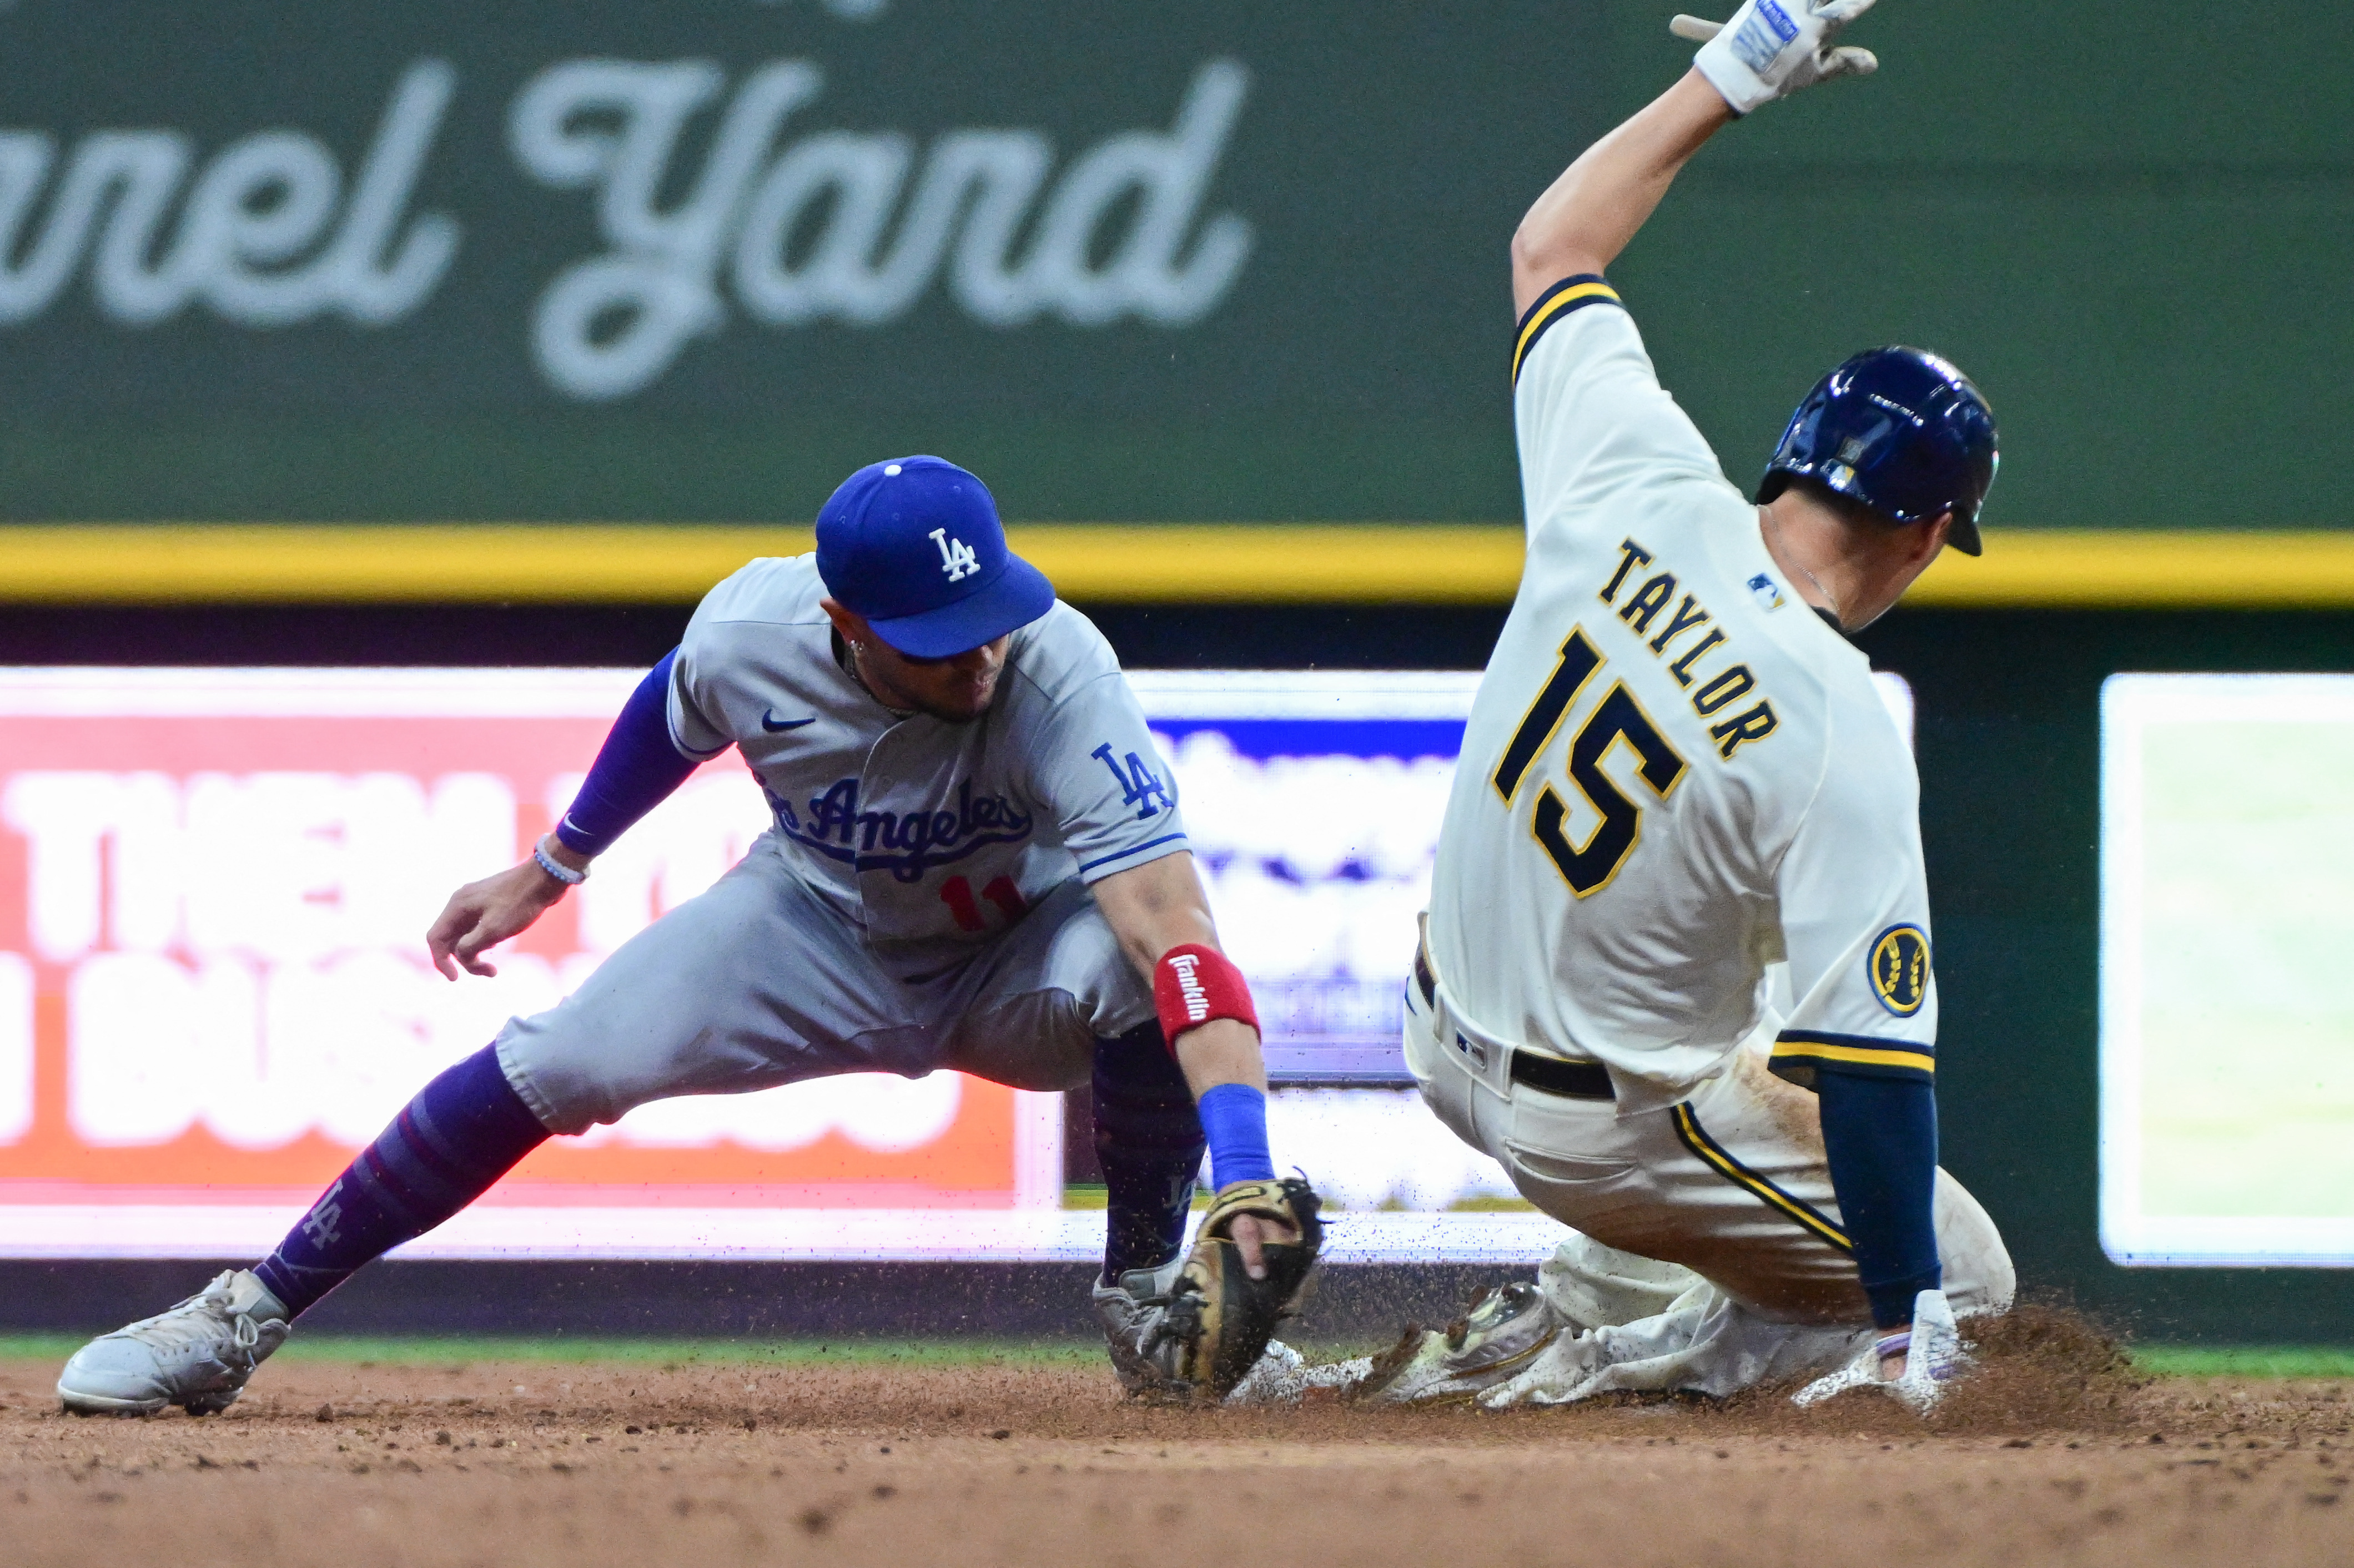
[(905, 843)]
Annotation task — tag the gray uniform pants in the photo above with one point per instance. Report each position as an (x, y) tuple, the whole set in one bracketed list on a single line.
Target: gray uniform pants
[(757, 982)]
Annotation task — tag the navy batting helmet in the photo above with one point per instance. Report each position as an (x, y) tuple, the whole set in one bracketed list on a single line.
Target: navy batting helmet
[(1899, 429)]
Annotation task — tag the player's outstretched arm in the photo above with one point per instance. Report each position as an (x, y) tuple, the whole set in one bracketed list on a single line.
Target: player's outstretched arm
[(1586, 216), (1768, 49), (1160, 906), (636, 769), (1159, 911)]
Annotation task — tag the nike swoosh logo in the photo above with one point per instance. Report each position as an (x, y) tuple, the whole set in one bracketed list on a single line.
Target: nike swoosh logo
[(773, 724)]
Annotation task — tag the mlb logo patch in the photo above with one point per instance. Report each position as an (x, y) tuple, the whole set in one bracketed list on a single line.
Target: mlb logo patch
[(1764, 591)]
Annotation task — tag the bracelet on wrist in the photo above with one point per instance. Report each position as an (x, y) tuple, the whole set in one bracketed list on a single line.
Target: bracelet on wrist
[(554, 867)]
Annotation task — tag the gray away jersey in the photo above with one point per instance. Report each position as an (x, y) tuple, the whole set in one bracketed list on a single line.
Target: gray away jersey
[(928, 836)]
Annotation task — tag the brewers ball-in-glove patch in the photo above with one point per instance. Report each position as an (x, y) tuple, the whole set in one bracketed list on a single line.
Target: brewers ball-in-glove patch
[(1219, 1319)]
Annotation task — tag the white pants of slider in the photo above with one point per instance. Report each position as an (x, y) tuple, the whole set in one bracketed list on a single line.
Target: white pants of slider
[(1680, 1276)]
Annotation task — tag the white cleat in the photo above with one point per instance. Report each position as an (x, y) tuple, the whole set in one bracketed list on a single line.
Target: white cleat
[(1936, 1358), (196, 1356), (1504, 1330)]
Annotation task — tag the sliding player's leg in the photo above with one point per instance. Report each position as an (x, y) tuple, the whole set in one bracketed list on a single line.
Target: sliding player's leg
[(1707, 1252)]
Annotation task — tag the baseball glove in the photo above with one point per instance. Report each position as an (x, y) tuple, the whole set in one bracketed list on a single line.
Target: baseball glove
[(1219, 1318)]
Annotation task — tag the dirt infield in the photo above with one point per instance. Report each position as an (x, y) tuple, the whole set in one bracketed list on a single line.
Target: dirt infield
[(2062, 1457)]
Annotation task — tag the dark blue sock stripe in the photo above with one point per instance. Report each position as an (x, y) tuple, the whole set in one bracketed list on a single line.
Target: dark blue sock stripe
[(425, 1171), (466, 1129), (426, 1179), (419, 1182), (499, 1128), (448, 1169), (376, 1178)]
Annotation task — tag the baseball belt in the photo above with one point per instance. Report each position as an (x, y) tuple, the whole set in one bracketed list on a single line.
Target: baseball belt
[(1546, 1075)]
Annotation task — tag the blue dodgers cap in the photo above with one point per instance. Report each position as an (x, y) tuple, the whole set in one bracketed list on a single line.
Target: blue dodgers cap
[(914, 544)]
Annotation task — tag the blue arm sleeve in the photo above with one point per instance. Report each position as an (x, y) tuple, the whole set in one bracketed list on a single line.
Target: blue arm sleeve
[(1234, 1119), (1881, 1134), (635, 770)]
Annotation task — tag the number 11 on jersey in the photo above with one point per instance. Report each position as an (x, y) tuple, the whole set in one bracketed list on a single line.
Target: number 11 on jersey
[(1588, 868), (957, 894)]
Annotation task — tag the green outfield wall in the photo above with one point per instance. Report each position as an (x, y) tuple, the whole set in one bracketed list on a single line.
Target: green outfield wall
[(1215, 262), (2009, 742)]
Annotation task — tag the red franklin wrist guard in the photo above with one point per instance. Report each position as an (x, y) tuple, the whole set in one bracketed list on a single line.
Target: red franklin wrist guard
[(1194, 984)]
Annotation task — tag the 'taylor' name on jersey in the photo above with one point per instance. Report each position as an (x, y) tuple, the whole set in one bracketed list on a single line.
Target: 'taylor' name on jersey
[(1710, 694)]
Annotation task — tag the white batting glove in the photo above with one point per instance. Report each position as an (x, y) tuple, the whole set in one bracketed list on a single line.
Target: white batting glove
[(1771, 48)]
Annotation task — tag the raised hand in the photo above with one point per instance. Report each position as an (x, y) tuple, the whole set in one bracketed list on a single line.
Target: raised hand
[(1772, 48)]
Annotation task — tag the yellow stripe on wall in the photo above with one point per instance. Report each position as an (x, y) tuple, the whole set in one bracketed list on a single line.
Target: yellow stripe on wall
[(1089, 563), (2151, 569), (474, 562), (380, 563)]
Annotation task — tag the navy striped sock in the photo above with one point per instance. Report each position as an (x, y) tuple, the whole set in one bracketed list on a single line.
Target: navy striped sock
[(1148, 1140), (445, 1149)]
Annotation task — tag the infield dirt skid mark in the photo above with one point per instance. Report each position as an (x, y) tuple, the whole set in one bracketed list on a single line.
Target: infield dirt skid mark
[(895, 1465)]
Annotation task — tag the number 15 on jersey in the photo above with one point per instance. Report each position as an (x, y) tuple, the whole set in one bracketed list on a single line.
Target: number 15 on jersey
[(1589, 867)]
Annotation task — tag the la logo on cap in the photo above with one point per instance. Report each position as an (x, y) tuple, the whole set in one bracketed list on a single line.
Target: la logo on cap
[(957, 558)]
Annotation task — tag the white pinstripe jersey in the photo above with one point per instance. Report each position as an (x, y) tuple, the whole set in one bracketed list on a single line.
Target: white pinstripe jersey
[(1675, 774)]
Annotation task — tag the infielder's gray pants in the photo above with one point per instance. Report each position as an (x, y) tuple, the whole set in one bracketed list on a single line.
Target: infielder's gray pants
[(1639, 1185), (757, 982)]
